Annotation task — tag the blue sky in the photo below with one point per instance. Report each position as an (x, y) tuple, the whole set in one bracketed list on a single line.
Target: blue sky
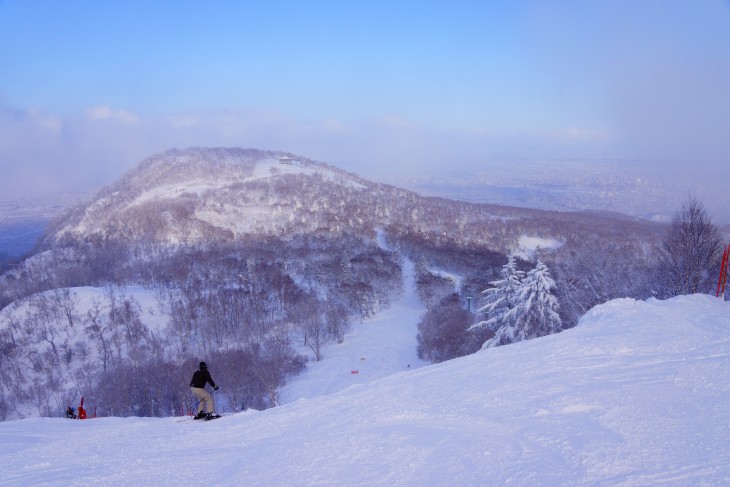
[(88, 88)]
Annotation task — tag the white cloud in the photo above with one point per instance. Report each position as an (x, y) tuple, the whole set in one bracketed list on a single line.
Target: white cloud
[(107, 113)]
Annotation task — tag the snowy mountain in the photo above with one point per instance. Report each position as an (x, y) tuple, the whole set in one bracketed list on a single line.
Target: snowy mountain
[(260, 257), (201, 196), (228, 199), (637, 394), (196, 194)]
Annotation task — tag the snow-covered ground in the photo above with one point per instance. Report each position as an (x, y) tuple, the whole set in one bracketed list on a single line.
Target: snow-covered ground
[(528, 245), (376, 348), (637, 394)]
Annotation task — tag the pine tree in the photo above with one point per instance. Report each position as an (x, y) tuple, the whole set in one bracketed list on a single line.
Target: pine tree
[(500, 298), (535, 310)]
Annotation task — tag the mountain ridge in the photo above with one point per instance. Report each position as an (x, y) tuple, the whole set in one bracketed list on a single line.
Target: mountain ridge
[(223, 194)]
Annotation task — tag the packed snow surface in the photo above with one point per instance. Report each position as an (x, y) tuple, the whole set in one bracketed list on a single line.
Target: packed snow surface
[(637, 394)]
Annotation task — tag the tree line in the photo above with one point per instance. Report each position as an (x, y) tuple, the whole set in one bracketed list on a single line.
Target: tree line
[(249, 314), (524, 303)]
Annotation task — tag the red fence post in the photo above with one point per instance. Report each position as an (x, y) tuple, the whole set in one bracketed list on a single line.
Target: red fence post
[(723, 273)]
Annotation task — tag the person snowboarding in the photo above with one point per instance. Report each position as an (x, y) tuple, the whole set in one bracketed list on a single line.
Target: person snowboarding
[(197, 386)]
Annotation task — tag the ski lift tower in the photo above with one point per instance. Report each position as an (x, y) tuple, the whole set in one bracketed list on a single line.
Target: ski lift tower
[(724, 268)]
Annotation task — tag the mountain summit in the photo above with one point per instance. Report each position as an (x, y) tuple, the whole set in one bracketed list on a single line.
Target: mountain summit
[(203, 195)]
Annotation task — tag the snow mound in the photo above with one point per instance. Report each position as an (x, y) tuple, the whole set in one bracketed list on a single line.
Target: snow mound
[(527, 246), (637, 394)]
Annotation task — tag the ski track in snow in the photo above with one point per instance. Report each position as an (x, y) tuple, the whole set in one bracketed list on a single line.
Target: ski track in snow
[(376, 348), (637, 394)]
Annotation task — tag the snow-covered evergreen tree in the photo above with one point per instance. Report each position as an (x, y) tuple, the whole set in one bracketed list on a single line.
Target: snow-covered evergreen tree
[(535, 310), (500, 298)]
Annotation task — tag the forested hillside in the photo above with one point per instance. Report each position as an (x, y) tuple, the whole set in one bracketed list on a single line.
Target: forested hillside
[(249, 252), (249, 201)]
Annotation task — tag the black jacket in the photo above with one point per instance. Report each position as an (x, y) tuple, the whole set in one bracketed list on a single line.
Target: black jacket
[(200, 377)]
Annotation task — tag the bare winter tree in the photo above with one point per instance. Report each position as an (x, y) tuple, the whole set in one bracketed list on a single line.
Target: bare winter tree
[(597, 273), (691, 252), (66, 302), (313, 327), (337, 319), (98, 331), (443, 332), (234, 368), (277, 360)]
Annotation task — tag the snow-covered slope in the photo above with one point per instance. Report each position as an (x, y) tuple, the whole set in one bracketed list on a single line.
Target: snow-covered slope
[(378, 347), (200, 197), (197, 195), (637, 394)]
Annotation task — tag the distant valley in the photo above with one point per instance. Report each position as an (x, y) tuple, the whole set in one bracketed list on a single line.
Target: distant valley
[(612, 187), (17, 238), (24, 221)]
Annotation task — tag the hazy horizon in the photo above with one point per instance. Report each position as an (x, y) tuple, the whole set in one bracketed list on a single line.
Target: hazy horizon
[(388, 91)]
